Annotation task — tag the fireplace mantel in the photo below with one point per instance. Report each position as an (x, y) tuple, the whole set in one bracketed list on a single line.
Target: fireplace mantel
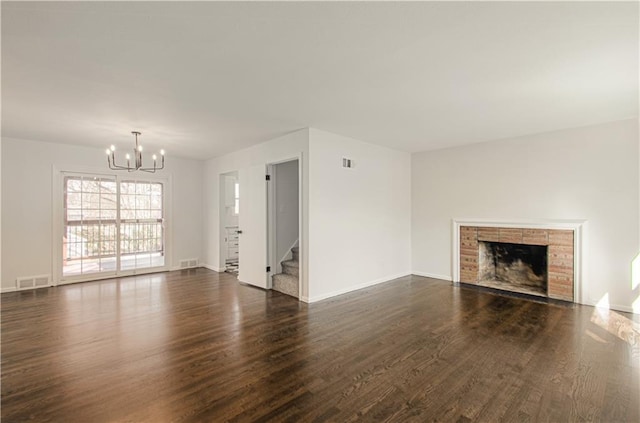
[(507, 226)]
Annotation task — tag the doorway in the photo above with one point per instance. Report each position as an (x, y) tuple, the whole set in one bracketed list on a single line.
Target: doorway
[(112, 225), (260, 225), (230, 212), (283, 211)]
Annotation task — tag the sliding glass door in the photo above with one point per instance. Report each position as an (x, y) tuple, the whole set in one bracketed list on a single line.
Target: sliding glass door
[(111, 225), (141, 225)]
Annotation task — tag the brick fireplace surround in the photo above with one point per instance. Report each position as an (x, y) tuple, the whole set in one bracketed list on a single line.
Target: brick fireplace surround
[(560, 263)]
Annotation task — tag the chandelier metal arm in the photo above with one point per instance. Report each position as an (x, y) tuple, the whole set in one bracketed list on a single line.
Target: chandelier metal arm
[(111, 160)]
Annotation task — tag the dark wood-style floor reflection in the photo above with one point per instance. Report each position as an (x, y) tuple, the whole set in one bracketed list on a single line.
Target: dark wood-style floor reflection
[(196, 346)]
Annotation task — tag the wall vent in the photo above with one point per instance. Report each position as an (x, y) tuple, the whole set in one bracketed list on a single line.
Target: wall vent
[(42, 281), (31, 282), (188, 263), (348, 163)]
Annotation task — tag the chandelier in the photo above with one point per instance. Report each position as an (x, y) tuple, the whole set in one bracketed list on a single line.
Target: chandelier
[(137, 161)]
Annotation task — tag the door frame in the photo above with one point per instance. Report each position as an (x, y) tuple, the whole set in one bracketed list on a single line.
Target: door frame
[(271, 218), (57, 210), (222, 256)]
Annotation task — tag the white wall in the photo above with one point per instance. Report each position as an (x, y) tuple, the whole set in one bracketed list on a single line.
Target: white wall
[(288, 146), (356, 227), (586, 173), (27, 203), (286, 207), (359, 218)]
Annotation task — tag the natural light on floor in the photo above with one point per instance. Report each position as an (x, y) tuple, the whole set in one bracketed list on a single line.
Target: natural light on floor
[(615, 323)]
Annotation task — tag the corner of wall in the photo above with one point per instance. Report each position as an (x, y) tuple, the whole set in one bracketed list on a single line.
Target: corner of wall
[(210, 214)]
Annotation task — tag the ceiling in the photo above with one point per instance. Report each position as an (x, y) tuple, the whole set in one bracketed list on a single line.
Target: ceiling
[(203, 79)]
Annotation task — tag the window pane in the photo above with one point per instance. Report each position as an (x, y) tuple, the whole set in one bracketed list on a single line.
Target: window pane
[(74, 200), (127, 188), (74, 214), (88, 235), (143, 214), (142, 202)]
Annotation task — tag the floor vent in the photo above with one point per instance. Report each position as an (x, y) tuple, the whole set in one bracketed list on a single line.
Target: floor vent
[(31, 282), (188, 263)]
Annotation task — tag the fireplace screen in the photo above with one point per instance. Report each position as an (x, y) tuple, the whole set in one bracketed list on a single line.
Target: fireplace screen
[(513, 267)]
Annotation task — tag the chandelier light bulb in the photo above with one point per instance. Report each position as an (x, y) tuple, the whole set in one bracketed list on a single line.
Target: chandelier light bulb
[(137, 163)]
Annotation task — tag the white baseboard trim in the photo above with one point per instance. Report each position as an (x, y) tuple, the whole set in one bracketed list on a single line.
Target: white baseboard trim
[(215, 269), (8, 289), (615, 307), (432, 275), (623, 308), (353, 288)]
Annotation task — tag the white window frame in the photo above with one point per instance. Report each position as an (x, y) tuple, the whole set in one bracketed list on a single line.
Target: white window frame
[(116, 221), (58, 222)]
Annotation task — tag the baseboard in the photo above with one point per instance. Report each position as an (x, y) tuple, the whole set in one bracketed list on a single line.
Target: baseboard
[(8, 289), (615, 307), (353, 288), (625, 309), (432, 275), (215, 269)]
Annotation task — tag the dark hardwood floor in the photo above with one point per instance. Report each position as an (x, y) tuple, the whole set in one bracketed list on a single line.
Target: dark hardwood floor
[(197, 346)]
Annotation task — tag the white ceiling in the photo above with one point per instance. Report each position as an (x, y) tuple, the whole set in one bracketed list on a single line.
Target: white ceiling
[(203, 79)]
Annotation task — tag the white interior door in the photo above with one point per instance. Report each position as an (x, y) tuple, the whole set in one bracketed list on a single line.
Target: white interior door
[(253, 224)]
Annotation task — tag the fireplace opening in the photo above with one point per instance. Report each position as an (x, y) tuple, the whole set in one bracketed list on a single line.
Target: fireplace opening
[(513, 267)]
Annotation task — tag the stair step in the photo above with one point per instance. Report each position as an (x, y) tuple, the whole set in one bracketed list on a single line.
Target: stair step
[(292, 263), (295, 251), (287, 284), (291, 267)]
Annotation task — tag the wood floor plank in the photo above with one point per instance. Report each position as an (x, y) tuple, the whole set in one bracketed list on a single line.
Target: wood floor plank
[(196, 345)]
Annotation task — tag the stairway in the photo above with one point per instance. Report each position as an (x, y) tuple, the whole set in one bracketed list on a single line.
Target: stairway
[(287, 281)]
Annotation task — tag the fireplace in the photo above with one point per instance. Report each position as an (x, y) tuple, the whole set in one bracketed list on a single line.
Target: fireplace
[(535, 261), (515, 267)]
